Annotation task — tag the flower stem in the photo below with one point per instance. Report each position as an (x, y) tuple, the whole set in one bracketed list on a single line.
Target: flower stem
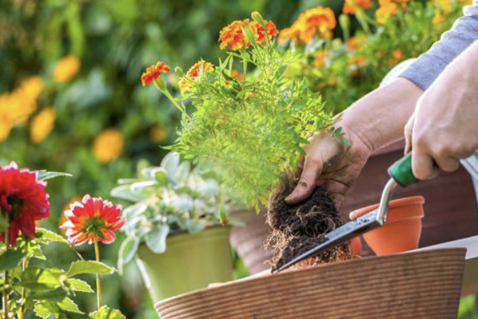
[(21, 312), (244, 65), (5, 292), (98, 277)]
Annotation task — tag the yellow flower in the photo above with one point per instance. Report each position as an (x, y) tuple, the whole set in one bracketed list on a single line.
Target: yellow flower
[(387, 9), (42, 125), (66, 69), (158, 133), (438, 19), (108, 146), (6, 123), (32, 87)]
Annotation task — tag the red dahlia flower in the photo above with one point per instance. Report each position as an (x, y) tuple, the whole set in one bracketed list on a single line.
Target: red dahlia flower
[(90, 218), (23, 199)]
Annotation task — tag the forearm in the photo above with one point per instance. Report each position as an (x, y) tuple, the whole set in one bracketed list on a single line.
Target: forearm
[(431, 64), (378, 119)]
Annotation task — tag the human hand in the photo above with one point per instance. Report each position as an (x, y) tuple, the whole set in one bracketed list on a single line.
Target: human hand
[(443, 129), (330, 164)]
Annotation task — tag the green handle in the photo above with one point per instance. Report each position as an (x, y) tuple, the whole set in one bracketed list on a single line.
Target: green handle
[(401, 171)]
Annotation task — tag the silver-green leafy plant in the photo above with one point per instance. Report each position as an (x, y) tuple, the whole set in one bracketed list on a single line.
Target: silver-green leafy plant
[(168, 199)]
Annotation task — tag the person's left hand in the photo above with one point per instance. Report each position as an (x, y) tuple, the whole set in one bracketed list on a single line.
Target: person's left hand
[(444, 127)]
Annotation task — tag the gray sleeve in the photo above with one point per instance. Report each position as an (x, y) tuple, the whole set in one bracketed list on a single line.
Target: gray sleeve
[(432, 63)]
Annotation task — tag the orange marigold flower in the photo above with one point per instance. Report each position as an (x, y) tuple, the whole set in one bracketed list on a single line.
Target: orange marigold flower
[(349, 5), (233, 36), (358, 60), (355, 43), (292, 33), (317, 21), (313, 22), (198, 69), (236, 74), (320, 58), (397, 55), (92, 218), (259, 32), (153, 72)]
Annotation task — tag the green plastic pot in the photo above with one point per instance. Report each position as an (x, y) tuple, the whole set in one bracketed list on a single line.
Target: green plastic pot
[(190, 262)]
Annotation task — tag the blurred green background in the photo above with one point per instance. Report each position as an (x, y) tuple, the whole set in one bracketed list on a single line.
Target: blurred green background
[(111, 42)]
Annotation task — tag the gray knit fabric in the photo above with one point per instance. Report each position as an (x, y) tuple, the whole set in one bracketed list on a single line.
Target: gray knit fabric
[(430, 64)]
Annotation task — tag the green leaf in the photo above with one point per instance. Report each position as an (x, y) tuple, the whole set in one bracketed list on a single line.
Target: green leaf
[(107, 313), (88, 267), (52, 295), (170, 163), (39, 279), (69, 305), (156, 238), (128, 249), (34, 250), (44, 175), (125, 192), (10, 259), (78, 285), (46, 236), (194, 227), (46, 308)]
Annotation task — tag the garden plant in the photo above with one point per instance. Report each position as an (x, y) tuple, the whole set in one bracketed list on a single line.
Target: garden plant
[(49, 291), (251, 129), (70, 100)]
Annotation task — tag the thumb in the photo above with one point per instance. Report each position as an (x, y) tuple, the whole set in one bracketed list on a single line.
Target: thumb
[(312, 169)]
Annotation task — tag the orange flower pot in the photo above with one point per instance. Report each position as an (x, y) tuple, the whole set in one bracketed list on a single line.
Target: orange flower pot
[(403, 227), (356, 247)]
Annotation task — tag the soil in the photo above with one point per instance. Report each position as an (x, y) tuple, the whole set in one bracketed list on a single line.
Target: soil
[(298, 228)]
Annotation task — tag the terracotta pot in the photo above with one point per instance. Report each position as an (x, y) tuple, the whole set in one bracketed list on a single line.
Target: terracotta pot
[(356, 246), (423, 284), (401, 232), (450, 198)]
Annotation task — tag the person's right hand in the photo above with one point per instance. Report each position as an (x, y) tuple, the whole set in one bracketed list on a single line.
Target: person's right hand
[(330, 164)]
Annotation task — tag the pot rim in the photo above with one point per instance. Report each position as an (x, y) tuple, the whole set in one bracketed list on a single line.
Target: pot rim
[(396, 203)]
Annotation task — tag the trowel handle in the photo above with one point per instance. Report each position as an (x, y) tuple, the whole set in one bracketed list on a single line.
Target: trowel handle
[(401, 171)]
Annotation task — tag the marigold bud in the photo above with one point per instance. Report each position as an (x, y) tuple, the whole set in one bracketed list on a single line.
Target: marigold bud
[(179, 71), (256, 16)]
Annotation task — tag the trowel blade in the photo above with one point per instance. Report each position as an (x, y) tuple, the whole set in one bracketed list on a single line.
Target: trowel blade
[(338, 236)]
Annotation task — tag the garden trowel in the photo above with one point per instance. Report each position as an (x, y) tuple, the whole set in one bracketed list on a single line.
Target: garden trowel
[(401, 174)]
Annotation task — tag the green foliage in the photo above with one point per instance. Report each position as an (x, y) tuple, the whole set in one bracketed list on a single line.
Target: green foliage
[(340, 79), (167, 199), (251, 131), (107, 313), (88, 267), (49, 291)]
